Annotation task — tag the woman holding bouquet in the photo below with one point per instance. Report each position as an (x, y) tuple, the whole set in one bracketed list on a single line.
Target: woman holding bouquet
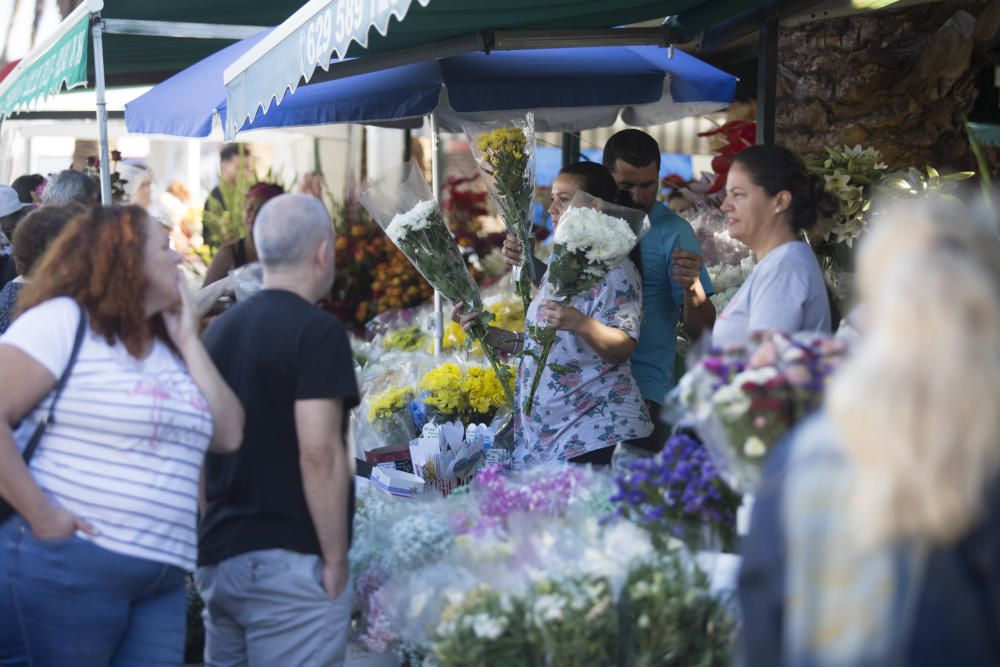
[(587, 400), (771, 199)]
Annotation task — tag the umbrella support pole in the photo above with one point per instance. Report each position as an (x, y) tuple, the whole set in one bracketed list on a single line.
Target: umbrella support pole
[(436, 188), (97, 28)]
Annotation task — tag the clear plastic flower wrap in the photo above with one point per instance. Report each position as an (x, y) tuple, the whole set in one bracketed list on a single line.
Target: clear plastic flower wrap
[(742, 399), (593, 236), (384, 417), (505, 154), (248, 280), (403, 205), (536, 579)]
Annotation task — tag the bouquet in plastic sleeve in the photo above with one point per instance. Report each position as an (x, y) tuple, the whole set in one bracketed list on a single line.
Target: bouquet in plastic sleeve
[(505, 153), (389, 415), (573, 621), (592, 237), (670, 617), (678, 493), (484, 627), (384, 418), (403, 205), (743, 399)]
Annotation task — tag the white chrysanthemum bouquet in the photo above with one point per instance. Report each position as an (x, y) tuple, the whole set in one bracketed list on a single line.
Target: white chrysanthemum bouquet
[(403, 205), (592, 237)]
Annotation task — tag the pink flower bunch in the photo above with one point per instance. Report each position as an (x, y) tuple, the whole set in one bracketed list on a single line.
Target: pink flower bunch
[(499, 495)]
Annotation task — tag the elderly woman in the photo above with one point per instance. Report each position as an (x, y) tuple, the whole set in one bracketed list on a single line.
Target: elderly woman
[(587, 401), (92, 564), (242, 251), (771, 199), (875, 538), (33, 237)]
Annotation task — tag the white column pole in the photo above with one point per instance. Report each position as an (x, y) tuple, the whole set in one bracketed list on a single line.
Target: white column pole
[(436, 187)]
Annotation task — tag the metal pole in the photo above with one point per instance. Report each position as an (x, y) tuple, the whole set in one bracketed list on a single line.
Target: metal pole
[(436, 188), (570, 148), (97, 28), (767, 79)]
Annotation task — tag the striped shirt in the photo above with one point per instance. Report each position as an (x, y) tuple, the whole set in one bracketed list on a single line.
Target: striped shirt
[(128, 439)]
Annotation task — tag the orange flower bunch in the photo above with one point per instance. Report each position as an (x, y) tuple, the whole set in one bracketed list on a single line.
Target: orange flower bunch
[(372, 274)]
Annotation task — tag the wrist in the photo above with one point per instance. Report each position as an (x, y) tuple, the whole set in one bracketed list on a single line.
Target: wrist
[(580, 324), (336, 559), (39, 513)]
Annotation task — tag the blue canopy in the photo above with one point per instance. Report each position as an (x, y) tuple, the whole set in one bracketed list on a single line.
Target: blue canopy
[(569, 89)]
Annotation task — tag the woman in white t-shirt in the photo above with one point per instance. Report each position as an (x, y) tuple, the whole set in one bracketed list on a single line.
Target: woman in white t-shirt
[(770, 200), (92, 565)]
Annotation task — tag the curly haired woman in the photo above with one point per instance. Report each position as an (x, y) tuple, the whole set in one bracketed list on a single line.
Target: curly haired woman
[(92, 565)]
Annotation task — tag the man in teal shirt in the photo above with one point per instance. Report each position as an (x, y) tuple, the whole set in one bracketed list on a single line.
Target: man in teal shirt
[(675, 284)]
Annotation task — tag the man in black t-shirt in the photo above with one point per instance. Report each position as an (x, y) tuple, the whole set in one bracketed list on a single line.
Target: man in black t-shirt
[(273, 539)]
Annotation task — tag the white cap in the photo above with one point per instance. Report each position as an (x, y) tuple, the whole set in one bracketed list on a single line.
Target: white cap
[(9, 201)]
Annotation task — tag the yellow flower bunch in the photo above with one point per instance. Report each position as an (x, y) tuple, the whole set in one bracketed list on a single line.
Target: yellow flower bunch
[(405, 339), (504, 141), (508, 314), (389, 402), (444, 389), (483, 390), (455, 338)]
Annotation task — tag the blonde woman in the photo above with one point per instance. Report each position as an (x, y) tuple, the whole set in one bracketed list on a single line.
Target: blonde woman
[(876, 535)]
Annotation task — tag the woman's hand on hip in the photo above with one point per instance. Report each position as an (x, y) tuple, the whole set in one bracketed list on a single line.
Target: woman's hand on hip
[(58, 523)]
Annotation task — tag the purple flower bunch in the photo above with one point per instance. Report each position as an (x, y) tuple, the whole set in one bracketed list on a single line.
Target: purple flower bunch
[(678, 492), (373, 629), (500, 495)]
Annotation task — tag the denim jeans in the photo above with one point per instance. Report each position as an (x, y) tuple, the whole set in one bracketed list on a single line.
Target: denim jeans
[(71, 602), (267, 608)]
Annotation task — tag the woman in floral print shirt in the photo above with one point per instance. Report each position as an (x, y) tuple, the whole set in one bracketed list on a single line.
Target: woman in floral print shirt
[(587, 401)]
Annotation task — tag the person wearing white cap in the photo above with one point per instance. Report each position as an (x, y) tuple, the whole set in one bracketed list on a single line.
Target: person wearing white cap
[(12, 209)]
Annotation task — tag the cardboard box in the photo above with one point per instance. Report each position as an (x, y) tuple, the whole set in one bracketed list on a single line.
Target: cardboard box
[(397, 483)]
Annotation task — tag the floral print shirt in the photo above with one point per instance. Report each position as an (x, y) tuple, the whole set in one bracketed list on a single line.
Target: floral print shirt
[(582, 403)]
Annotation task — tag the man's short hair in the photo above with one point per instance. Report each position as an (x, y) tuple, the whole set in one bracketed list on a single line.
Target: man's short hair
[(288, 228), (71, 186), (230, 151), (633, 147)]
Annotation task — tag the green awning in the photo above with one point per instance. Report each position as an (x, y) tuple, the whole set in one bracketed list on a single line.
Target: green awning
[(130, 59), (61, 61), (327, 29)]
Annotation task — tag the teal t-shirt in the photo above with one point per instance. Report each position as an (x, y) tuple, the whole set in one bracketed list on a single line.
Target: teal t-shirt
[(662, 301)]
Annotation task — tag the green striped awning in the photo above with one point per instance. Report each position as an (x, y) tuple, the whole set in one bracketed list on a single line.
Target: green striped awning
[(43, 72)]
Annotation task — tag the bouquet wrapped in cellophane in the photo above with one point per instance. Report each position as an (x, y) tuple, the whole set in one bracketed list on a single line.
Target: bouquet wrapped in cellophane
[(593, 236), (403, 205), (505, 153), (743, 399)]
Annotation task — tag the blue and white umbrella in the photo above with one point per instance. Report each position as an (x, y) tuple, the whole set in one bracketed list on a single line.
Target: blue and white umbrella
[(568, 89)]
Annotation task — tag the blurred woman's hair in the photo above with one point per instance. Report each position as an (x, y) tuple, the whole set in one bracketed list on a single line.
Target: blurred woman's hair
[(38, 231), (916, 405), (98, 260)]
